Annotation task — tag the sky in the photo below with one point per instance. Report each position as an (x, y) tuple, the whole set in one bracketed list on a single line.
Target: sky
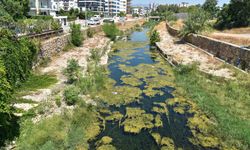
[(136, 2)]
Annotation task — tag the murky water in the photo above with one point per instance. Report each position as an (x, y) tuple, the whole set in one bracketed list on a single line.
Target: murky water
[(173, 125)]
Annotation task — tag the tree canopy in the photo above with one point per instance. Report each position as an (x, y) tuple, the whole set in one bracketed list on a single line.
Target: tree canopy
[(211, 7), (234, 14)]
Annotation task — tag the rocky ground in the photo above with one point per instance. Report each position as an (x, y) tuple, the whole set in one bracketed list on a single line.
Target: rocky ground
[(182, 53)]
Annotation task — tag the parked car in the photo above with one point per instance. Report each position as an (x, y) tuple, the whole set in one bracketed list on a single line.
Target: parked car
[(108, 20), (93, 21)]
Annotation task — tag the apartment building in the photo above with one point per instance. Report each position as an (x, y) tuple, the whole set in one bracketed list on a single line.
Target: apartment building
[(107, 7), (64, 4), (92, 5), (114, 7)]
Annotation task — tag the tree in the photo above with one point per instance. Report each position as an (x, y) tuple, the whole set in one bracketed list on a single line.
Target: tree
[(18, 9), (211, 7), (122, 14), (197, 22), (234, 14)]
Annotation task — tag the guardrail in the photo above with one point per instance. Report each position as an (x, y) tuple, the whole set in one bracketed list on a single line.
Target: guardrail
[(44, 35)]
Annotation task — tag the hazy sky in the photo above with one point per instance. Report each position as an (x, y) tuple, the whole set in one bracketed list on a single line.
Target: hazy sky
[(221, 2)]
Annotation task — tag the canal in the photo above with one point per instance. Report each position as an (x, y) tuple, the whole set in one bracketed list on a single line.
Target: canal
[(135, 111)]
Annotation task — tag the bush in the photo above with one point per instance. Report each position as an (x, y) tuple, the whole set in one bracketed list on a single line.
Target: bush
[(72, 71), (197, 22), (90, 32), (55, 25), (58, 100), (154, 37), (71, 95), (169, 16), (111, 31), (76, 34)]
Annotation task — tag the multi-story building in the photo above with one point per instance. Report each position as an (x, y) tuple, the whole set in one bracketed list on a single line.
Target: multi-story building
[(92, 5), (114, 7), (65, 5), (108, 7), (40, 7), (50, 7)]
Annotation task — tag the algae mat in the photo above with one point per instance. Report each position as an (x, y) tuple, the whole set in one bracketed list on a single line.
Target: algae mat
[(140, 108)]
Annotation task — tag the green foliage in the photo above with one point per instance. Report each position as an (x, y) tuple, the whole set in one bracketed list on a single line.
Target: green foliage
[(122, 14), (17, 56), (35, 82), (70, 130), (169, 16), (210, 6), (96, 55), (225, 100), (111, 31), (58, 100), (17, 9), (234, 14), (55, 25), (5, 89), (71, 95), (93, 81), (197, 22), (154, 37), (90, 32), (76, 34), (72, 72)]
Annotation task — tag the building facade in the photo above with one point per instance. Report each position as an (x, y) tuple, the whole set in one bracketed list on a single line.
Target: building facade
[(106, 7), (92, 5)]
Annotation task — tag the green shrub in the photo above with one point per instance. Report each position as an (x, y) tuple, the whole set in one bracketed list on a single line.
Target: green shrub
[(58, 100), (55, 25), (71, 95), (94, 81), (90, 32), (197, 22), (76, 34), (154, 37), (72, 71), (169, 16), (111, 31), (95, 55)]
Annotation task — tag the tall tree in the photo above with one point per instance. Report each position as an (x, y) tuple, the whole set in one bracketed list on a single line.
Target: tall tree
[(234, 14), (211, 7)]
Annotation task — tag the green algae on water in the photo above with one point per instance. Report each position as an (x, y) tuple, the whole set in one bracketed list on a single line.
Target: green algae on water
[(167, 143), (158, 121), (106, 147), (115, 116), (136, 120), (130, 80), (157, 138)]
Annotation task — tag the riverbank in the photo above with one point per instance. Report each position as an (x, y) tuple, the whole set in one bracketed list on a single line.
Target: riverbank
[(39, 106), (221, 91)]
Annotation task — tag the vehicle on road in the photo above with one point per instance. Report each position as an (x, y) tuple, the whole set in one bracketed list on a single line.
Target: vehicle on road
[(93, 21), (108, 20)]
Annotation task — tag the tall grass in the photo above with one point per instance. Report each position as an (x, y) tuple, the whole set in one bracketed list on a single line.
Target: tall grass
[(227, 101), (71, 130)]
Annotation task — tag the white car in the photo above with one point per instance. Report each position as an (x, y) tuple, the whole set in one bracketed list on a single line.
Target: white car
[(93, 21)]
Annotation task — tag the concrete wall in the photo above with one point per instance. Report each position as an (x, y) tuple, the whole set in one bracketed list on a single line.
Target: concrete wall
[(233, 54)]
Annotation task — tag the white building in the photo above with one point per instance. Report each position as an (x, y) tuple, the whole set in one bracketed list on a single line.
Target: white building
[(65, 5), (114, 7)]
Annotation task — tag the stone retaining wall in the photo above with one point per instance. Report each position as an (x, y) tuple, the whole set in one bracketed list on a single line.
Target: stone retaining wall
[(233, 54), (52, 46)]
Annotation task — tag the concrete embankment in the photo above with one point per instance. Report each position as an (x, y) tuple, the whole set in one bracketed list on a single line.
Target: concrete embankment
[(230, 53)]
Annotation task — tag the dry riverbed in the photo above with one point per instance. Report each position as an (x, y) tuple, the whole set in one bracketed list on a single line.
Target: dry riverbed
[(182, 53)]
